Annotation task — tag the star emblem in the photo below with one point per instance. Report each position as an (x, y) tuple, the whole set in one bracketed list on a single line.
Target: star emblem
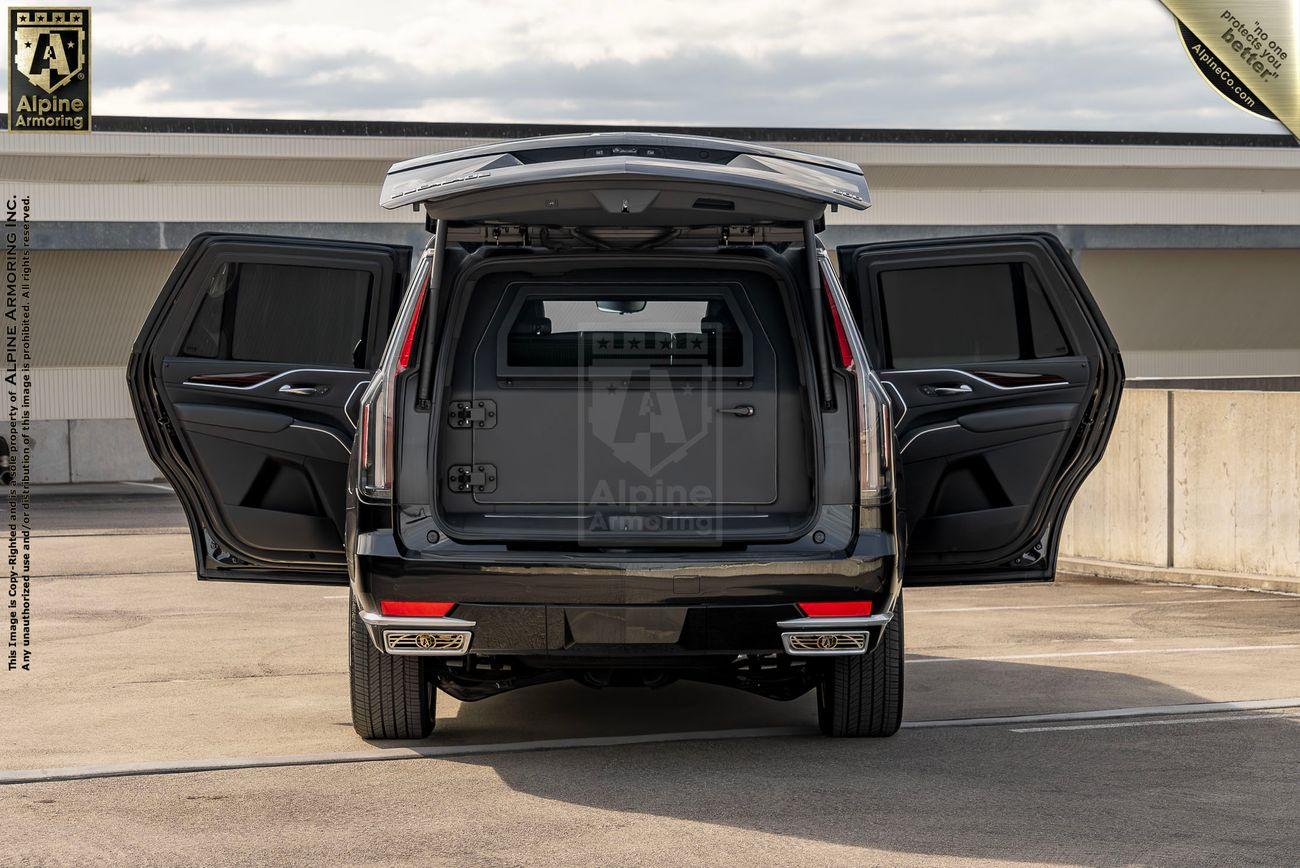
[(634, 344)]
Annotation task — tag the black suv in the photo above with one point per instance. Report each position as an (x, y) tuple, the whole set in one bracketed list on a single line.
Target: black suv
[(621, 422)]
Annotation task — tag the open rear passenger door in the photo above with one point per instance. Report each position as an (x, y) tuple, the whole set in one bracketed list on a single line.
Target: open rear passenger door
[(1005, 381), (245, 380)]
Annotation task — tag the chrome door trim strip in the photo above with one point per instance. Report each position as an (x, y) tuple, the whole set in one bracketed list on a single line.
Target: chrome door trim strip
[(897, 392), (326, 431), (925, 431), (355, 421), (977, 379), (274, 377)]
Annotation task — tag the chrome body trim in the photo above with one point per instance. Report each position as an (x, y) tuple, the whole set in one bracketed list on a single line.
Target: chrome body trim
[(371, 619), (823, 625)]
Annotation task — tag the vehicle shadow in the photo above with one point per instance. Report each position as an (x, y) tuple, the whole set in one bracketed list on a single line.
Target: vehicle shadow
[(1219, 791)]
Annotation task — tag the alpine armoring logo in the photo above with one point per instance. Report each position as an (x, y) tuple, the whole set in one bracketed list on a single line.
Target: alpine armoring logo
[(49, 79), (651, 421), (649, 424)]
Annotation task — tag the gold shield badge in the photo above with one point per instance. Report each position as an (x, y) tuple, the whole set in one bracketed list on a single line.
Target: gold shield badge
[(50, 46), (49, 79)]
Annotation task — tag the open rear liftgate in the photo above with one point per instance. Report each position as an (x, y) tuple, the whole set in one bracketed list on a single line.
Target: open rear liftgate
[(496, 442)]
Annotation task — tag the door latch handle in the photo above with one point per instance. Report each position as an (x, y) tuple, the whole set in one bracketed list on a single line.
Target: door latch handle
[(954, 389), (742, 410), (287, 389)]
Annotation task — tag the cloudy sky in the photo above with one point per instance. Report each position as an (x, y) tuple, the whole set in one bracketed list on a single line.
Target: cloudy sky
[(1024, 64)]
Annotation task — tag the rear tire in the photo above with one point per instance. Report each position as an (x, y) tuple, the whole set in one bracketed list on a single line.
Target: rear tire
[(392, 697), (863, 696)]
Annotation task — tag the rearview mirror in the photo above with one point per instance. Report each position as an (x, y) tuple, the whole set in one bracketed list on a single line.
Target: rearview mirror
[(620, 306)]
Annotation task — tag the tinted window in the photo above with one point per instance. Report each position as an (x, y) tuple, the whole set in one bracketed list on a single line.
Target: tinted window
[(967, 313), (293, 314), (570, 332)]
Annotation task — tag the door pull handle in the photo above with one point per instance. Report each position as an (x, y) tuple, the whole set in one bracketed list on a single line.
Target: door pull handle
[(742, 410), (287, 389), (956, 389)]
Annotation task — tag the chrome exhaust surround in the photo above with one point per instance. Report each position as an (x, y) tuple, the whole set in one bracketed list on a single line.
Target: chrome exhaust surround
[(818, 637), (419, 636), (442, 642), (825, 643)]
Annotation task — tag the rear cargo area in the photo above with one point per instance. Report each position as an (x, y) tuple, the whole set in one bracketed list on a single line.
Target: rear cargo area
[(626, 400)]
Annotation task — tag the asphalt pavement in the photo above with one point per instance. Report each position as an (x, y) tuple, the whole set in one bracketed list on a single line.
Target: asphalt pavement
[(1088, 721)]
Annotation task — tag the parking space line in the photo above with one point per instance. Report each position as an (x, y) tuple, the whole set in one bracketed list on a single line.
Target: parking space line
[(1226, 706), (1049, 655), (171, 767), (1254, 598), (1213, 718)]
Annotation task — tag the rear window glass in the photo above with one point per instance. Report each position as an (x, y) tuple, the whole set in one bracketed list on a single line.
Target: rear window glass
[(623, 331), (266, 312)]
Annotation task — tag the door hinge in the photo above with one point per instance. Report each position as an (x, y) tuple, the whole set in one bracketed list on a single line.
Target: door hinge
[(472, 414), (476, 478)]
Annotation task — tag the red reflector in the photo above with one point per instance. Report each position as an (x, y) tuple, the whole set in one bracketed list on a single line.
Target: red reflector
[(421, 610), (846, 353), (850, 609), (404, 359)]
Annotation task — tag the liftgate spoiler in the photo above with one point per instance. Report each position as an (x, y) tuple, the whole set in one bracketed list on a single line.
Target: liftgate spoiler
[(625, 179)]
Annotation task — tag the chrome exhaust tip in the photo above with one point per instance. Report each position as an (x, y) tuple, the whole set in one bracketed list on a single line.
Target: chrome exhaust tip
[(810, 644), (427, 642)]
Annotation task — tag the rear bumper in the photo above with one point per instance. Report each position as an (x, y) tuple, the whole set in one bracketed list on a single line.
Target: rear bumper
[(581, 606), (625, 633)]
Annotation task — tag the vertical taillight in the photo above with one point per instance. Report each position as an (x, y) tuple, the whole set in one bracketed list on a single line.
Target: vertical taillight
[(875, 442), (376, 421)]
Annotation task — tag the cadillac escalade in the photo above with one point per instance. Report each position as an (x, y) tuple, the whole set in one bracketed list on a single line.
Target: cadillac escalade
[(625, 420)]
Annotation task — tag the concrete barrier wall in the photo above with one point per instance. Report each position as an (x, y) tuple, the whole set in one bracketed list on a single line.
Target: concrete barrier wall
[(89, 450), (1195, 480)]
